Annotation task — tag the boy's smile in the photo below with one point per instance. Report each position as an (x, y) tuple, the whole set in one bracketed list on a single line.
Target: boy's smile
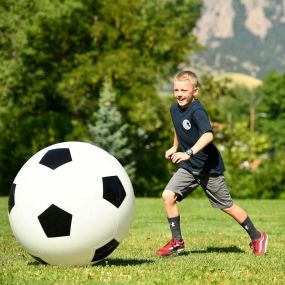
[(184, 92)]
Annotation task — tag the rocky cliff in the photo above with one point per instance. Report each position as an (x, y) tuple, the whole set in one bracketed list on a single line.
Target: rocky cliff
[(246, 36)]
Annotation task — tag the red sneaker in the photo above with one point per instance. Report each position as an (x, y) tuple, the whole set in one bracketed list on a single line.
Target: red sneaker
[(173, 246), (259, 246)]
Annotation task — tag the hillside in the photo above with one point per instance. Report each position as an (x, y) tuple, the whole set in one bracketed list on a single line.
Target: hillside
[(239, 79), (243, 36)]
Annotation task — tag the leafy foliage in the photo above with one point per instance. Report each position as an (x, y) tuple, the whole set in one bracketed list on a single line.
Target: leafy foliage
[(217, 96), (274, 107), (55, 57), (241, 118), (243, 151)]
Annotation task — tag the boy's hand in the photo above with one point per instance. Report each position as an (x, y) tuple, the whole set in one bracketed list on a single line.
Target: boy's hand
[(179, 156), (170, 152)]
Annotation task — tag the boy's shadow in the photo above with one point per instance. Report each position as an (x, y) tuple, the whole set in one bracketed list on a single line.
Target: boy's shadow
[(123, 262), (229, 249)]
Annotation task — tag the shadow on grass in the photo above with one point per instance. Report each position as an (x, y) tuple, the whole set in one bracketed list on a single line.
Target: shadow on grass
[(229, 249), (123, 262), (135, 261), (105, 262), (37, 263)]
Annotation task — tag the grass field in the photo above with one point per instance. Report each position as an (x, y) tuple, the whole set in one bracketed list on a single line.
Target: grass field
[(217, 250)]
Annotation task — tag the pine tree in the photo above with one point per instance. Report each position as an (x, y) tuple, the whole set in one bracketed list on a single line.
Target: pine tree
[(108, 131)]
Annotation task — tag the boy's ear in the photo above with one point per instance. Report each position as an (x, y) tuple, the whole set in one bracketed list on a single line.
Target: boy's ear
[(196, 91)]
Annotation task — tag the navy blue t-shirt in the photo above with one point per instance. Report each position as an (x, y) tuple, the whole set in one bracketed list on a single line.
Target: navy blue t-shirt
[(190, 124)]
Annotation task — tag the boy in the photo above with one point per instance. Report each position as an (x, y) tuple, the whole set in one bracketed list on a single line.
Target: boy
[(200, 163)]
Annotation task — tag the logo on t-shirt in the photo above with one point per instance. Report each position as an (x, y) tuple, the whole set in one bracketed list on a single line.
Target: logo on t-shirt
[(186, 125)]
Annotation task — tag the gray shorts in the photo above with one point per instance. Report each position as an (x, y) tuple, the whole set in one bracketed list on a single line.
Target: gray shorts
[(184, 182)]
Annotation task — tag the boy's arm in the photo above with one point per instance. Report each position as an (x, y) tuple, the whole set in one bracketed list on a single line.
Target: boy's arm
[(174, 148), (204, 140)]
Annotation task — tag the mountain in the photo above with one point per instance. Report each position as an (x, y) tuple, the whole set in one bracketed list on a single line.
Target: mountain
[(243, 36)]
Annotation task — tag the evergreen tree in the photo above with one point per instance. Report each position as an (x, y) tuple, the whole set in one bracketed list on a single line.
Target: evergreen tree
[(108, 131)]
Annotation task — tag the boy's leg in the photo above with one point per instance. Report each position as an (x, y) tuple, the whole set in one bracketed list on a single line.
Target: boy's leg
[(219, 196), (172, 213), (170, 205), (259, 239), (242, 218), (176, 244), (181, 184)]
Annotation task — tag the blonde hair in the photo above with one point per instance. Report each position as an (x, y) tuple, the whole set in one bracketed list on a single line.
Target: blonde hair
[(187, 75)]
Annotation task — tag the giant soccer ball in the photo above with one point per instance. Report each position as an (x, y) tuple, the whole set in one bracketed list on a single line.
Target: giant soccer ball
[(71, 203)]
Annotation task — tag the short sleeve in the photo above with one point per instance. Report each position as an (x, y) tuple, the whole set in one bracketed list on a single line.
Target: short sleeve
[(201, 120)]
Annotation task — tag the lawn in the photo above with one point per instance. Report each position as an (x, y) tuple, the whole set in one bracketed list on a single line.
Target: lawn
[(217, 250)]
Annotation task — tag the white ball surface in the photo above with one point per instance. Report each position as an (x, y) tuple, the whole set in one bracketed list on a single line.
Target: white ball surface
[(71, 203)]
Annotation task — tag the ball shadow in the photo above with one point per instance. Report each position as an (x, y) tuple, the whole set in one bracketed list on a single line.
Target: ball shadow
[(37, 263), (105, 262)]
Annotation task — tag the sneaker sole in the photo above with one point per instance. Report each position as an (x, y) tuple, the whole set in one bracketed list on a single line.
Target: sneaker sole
[(178, 251), (175, 252)]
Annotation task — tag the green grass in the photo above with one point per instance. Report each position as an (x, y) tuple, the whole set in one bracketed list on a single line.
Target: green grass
[(217, 250)]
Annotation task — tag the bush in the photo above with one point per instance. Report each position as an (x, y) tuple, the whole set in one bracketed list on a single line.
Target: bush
[(266, 182), (270, 178)]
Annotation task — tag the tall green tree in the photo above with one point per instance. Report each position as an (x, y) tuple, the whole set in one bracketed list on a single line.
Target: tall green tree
[(108, 131), (35, 51), (55, 56), (273, 107)]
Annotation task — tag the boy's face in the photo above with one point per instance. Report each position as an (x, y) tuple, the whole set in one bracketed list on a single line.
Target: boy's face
[(184, 92)]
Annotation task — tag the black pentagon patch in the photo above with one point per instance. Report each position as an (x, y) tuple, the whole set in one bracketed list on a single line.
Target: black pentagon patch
[(105, 250), (56, 157), (11, 202), (113, 190), (55, 222)]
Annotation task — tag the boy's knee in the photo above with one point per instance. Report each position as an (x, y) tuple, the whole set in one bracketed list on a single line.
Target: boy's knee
[(169, 196), (230, 209)]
